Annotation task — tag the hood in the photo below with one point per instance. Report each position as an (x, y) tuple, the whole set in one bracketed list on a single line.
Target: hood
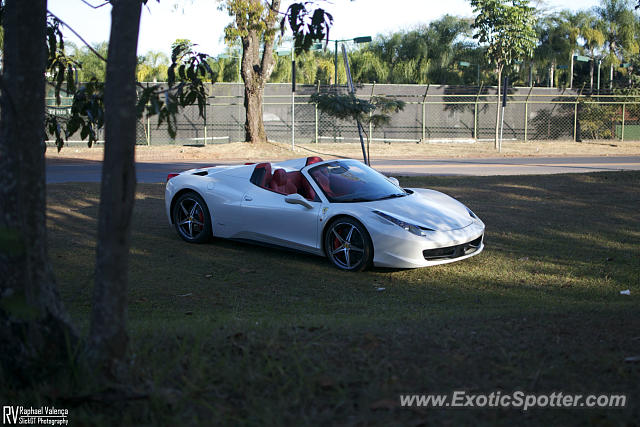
[(427, 208)]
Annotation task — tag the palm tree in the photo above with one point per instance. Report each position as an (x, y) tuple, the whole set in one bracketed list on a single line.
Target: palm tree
[(593, 39), (152, 67), (571, 24), (553, 47), (618, 24)]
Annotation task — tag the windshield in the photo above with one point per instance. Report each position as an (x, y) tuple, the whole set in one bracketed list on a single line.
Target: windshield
[(344, 181)]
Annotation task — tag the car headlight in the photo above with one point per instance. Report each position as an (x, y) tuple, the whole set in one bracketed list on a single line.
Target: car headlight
[(471, 214), (411, 228)]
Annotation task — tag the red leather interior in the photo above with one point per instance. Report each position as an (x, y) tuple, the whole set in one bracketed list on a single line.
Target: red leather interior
[(322, 178), (297, 183), (312, 160), (307, 190), (265, 180), (279, 181), (282, 182)]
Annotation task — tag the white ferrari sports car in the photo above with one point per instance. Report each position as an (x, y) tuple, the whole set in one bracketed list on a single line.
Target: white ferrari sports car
[(341, 209)]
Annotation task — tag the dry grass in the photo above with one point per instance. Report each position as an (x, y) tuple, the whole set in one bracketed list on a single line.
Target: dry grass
[(278, 151)]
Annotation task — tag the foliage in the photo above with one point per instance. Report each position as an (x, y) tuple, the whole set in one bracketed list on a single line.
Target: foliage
[(87, 115), (506, 29), (376, 111), (152, 67), (619, 26), (597, 120), (89, 64), (308, 24), (185, 86)]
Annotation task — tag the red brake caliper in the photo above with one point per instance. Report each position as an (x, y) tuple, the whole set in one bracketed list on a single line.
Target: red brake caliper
[(336, 242)]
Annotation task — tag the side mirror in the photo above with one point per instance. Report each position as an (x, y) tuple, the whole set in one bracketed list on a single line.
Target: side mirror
[(393, 180), (296, 199)]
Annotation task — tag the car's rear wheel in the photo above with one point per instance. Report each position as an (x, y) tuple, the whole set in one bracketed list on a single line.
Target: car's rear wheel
[(191, 218), (348, 245)]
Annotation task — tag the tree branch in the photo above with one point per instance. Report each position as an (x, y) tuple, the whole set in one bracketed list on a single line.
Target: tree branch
[(92, 6), (95, 52)]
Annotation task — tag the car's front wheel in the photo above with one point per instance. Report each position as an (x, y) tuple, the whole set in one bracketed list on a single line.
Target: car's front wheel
[(191, 218), (348, 245)]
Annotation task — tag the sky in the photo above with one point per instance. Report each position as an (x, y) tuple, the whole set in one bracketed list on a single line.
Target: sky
[(201, 22)]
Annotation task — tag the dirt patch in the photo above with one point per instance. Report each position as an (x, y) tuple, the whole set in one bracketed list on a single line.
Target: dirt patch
[(281, 151)]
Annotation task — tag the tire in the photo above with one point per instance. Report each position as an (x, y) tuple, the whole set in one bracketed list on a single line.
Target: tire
[(348, 245), (191, 218)]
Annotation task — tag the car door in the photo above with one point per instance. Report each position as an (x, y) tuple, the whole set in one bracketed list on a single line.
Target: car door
[(268, 218)]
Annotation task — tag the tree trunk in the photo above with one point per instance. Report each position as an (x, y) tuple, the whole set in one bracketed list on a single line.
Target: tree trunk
[(34, 327), (496, 142), (571, 73), (108, 335), (611, 76), (591, 72), (255, 71), (254, 125)]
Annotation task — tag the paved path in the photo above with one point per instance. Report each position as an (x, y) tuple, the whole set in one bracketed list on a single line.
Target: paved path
[(69, 170), (508, 166)]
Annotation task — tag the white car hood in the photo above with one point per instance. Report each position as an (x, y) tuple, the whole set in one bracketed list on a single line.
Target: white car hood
[(427, 208)]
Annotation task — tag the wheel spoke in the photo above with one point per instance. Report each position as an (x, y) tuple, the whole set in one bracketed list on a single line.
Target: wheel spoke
[(356, 249), (193, 209), (348, 239), (340, 239), (335, 251), (190, 229), (184, 209), (195, 221), (186, 221), (346, 257)]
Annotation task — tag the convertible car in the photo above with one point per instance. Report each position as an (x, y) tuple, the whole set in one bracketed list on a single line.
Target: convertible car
[(341, 209)]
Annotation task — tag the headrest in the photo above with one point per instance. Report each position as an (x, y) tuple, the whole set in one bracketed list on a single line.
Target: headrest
[(312, 160), (266, 166), (279, 177), (263, 177)]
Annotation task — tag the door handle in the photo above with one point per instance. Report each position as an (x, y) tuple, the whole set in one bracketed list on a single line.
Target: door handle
[(248, 198)]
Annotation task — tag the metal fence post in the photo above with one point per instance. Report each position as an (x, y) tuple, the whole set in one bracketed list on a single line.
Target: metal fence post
[(575, 114), (316, 111), (526, 114), (148, 130), (373, 86), (623, 114), (475, 112), (148, 124), (205, 123), (624, 105), (575, 120), (424, 114)]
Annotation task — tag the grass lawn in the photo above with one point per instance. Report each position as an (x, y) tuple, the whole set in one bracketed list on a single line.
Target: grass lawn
[(230, 333)]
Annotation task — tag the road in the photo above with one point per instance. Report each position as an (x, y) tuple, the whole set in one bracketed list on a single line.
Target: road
[(69, 170)]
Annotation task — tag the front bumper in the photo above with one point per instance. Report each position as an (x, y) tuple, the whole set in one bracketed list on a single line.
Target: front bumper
[(397, 248)]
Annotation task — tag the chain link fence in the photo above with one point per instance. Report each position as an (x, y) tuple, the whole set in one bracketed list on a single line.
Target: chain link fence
[(431, 114)]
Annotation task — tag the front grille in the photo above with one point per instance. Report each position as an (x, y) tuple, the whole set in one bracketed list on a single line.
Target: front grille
[(452, 252)]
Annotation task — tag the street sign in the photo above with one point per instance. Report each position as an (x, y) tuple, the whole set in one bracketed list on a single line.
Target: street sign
[(581, 58), (562, 67), (365, 39), (504, 93)]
